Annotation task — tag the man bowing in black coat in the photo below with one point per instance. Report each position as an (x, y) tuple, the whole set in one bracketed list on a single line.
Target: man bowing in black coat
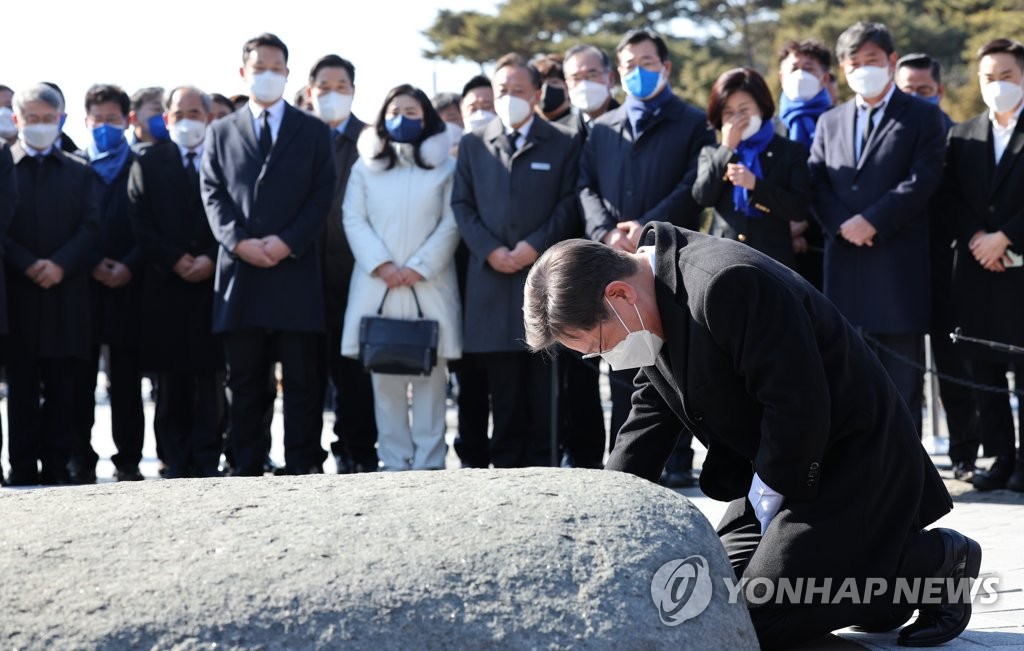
[(806, 435), (268, 177)]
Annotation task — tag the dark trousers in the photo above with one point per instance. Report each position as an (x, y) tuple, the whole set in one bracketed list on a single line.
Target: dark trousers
[(993, 420), (581, 416), (251, 355), (783, 625), (909, 379), (957, 400), (471, 443), (40, 398), (520, 390), (354, 422), (189, 406), (128, 425)]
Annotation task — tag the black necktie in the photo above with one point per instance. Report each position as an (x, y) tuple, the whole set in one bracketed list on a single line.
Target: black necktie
[(513, 143), (190, 168), (869, 127), (266, 142)]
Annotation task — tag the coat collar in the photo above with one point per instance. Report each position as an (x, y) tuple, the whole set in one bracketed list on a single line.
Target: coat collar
[(18, 153), (494, 134), (1013, 149), (895, 107)]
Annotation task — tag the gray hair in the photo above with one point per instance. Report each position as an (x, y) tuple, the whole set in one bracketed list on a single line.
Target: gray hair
[(565, 289), (586, 48), (203, 97), (37, 93)]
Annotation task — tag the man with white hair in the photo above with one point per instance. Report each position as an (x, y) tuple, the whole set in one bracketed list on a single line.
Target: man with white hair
[(48, 263)]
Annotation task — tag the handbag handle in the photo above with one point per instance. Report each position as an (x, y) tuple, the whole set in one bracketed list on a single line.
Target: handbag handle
[(419, 312)]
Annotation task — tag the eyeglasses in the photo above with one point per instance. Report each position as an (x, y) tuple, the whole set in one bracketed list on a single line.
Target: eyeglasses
[(600, 342)]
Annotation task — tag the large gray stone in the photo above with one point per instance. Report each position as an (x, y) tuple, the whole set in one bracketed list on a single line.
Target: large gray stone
[(464, 559)]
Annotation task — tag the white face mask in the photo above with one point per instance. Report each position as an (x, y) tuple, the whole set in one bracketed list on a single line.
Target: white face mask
[(639, 348), (868, 81), (479, 118), (589, 96), (39, 136), (7, 127), (332, 106), (800, 84), (187, 133), (267, 87), (1001, 96), (752, 127), (512, 110)]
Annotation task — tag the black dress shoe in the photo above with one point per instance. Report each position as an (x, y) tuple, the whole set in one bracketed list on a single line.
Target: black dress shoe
[(937, 624), (79, 473), (270, 466), (128, 474), (1016, 480), (996, 476), (963, 471), (888, 622), (344, 464)]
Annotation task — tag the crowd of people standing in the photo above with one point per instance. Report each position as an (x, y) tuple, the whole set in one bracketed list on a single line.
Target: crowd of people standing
[(201, 240)]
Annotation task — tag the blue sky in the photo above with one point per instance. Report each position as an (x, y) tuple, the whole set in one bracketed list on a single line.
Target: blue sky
[(191, 42)]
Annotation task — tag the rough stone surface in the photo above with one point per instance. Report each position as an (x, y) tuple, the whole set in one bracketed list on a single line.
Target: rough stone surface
[(466, 559)]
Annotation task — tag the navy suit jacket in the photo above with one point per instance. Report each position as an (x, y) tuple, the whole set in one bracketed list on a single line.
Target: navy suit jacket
[(288, 195), (883, 288), (646, 178)]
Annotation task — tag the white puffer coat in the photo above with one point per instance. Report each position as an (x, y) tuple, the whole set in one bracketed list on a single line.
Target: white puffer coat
[(403, 215)]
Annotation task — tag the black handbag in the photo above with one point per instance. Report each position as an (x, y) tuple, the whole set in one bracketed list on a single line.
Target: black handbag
[(398, 346)]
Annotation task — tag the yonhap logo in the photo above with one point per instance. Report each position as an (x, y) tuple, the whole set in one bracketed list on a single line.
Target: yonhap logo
[(681, 589)]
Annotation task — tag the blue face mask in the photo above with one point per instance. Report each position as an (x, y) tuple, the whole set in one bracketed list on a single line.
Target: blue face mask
[(934, 99), (641, 83), (107, 137), (158, 129), (403, 129), (63, 119)]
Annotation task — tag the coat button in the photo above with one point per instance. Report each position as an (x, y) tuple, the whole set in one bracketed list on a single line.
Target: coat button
[(697, 416), (741, 237), (991, 208), (814, 465)]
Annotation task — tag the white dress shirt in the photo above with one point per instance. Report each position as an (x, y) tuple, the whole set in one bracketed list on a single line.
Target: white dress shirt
[(1001, 135), (863, 110), (524, 130), (766, 502), (276, 115), (35, 152), (198, 155)]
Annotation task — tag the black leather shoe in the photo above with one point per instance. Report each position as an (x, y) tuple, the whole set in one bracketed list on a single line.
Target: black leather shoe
[(1016, 480), (888, 622), (996, 476), (964, 471), (937, 624), (344, 463), (128, 474), (79, 473)]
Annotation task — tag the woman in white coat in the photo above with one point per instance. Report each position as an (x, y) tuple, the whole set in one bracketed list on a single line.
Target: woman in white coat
[(399, 223)]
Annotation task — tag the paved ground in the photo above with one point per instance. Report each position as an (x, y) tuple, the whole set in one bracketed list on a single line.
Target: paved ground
[(995, 519)]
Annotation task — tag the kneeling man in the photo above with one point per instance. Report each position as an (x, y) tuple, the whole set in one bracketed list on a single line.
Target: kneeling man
[(807, 436)]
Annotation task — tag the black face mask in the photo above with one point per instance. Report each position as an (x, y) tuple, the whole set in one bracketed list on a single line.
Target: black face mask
[(551, 98)]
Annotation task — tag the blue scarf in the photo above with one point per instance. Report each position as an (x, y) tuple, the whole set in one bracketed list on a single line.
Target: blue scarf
[(800, 116), (640, 111), (749, 152), (108, 164)]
